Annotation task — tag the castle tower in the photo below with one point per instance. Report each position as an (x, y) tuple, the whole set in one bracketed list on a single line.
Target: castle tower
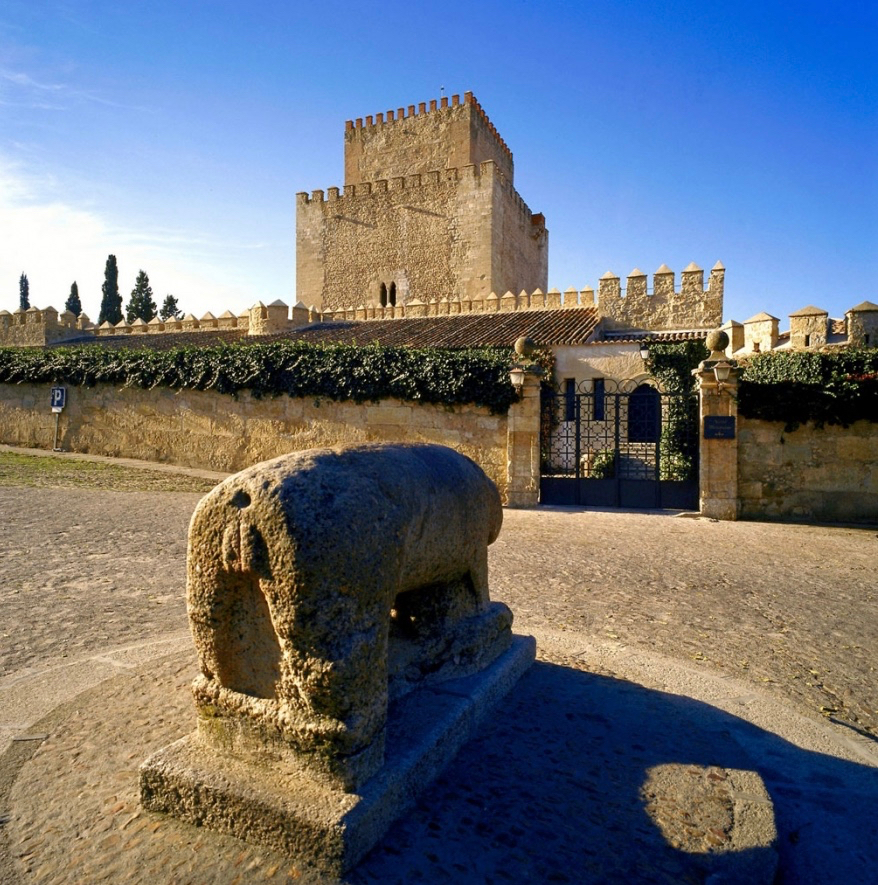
[(428, 213), (450, 136)]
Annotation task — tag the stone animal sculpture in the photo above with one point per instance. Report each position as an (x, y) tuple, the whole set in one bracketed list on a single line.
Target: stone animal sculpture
[(326, 583)]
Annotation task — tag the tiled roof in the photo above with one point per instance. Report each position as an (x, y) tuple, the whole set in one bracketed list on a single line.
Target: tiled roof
[(160, 340), (561, 326), (564, 326)]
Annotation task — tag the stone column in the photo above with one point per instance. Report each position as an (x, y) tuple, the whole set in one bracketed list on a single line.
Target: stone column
[(718, 470), (523, 443)]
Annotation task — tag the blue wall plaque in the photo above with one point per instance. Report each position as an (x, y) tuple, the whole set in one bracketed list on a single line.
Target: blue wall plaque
[(719, 427)]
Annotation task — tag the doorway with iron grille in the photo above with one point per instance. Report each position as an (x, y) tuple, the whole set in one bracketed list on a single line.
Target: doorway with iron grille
[(619, 444)]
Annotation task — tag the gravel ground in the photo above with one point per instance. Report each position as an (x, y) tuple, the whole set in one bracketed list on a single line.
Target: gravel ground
[(93, 560), (793, 608)]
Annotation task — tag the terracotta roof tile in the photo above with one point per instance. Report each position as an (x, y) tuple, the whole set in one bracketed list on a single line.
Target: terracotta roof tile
[(564, 326)]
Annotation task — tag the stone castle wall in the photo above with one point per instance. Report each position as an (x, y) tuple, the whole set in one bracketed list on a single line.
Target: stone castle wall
[(448, 135), (665, 308), (827, 474), (214, 431), (460, 233), (34, 327)]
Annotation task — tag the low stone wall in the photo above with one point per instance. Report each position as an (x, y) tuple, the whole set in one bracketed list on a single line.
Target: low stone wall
[(215, 431), (828, 474)]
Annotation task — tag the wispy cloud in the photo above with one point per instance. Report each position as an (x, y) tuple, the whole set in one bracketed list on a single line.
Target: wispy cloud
[(23, 90), (55, 242)]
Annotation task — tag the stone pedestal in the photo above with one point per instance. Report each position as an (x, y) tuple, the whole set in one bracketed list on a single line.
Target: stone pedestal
[(330, 830)]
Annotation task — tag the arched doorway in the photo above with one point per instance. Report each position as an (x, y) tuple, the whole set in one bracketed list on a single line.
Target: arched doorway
[(644, 415)]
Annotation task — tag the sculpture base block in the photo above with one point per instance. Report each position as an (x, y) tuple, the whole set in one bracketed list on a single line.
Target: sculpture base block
[(327, 829)]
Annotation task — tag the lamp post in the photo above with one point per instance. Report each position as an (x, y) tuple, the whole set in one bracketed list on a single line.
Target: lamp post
[(516, 376), (721, 372)]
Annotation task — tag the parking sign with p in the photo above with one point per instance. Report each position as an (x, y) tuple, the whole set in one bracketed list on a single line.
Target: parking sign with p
[(59, 398)]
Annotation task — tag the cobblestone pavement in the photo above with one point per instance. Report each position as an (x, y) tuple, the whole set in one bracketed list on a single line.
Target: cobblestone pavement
[(783, 611)]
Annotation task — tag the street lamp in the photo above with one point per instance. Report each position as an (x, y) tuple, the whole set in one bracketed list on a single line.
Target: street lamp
[(721, 372)]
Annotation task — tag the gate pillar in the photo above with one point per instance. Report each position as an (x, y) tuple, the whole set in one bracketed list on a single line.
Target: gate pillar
[(523, 443), (718, 440)]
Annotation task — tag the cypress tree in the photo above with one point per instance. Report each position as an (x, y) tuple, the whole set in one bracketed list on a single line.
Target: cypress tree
[(111, 300), (23, 292), (169, 309), (73, 304), (141, 304)]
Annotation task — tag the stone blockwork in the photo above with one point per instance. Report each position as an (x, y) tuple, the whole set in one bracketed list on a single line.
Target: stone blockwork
[(215, 431), (429, 211), (862, 324), (815, 474), (450, 134), (35, 328), (692, 307)]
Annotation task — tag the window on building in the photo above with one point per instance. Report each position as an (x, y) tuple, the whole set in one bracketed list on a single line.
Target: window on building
[(569, 399), (755, 347), (382, 295), (392, 295), (599, 403), (807, 341)]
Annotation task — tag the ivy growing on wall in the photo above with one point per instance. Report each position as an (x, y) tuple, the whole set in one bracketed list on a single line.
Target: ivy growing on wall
[(478, 376), (671, 364), (837, 387)]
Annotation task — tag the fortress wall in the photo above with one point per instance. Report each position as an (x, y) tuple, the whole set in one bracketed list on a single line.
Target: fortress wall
[(35, 328), (449, 134), (213, 431), (828, 474), (520, 245), (693, 306)]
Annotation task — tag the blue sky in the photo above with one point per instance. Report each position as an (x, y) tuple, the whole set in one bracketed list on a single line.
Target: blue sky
[(176, 135)]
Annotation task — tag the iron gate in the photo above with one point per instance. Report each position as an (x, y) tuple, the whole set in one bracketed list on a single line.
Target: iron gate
[(619, 445)]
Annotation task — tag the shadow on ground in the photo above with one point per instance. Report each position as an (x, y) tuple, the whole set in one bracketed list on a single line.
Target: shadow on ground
[(585, 778), (577, 777)]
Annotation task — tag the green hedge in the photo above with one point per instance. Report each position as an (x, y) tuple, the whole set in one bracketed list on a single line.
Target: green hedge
[(340, 372), (824, 388)]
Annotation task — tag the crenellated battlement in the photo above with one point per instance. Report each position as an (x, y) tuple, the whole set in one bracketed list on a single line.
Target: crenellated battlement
[(35, 328), (388, 117), (693, 306), (428, 207), (446, 134), (335, 199)]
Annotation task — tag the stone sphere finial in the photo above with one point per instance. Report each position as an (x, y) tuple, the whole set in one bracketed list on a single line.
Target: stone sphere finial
[(525, 347), (717, 341)]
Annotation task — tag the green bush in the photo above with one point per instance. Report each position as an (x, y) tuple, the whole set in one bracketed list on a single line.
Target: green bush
[(478, 376), (603, 465), (838, 387)]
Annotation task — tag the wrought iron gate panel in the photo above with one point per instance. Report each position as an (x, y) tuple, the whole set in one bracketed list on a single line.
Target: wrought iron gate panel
[(620, 445)]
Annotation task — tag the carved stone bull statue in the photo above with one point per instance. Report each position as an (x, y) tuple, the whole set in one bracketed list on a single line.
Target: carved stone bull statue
[(326, 583)]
